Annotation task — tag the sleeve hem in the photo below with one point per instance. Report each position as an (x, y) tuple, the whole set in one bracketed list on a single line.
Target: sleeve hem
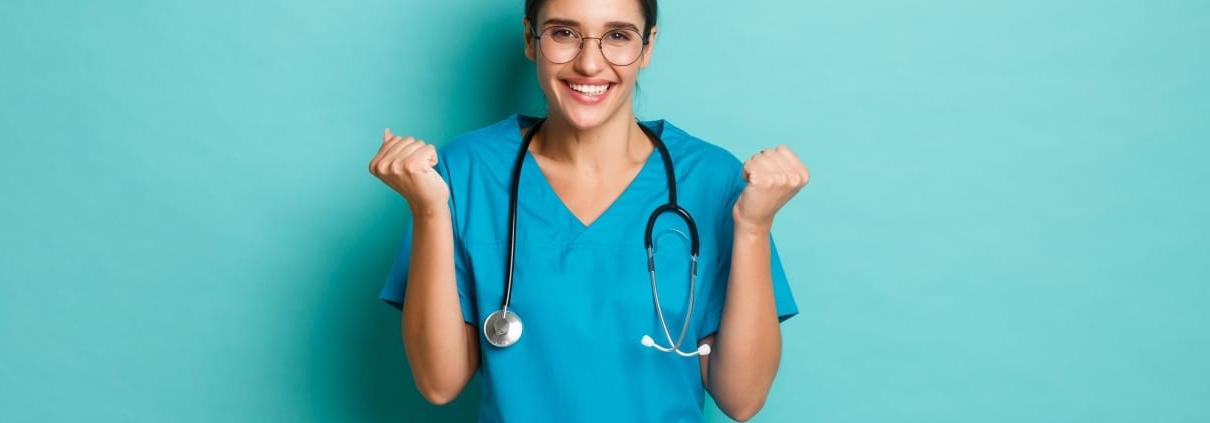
[(713, 323), (466, 314)]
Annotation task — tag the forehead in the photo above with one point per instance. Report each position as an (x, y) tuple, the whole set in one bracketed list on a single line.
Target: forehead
[(592, 13)]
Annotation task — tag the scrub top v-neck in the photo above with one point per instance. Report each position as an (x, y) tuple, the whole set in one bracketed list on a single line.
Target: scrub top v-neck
[(532, 170), (583, 291), (570, 226)]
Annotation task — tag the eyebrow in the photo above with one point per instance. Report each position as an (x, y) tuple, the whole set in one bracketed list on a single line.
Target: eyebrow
[(571, 23)]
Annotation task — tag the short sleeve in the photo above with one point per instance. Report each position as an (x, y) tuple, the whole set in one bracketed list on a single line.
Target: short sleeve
[(396, 282), (782, 296)]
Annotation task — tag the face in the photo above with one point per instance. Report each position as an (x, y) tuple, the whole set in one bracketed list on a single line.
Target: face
[(588, 89)]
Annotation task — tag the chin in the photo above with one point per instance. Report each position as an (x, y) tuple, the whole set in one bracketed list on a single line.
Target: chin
[(583, 111), (585, 118)]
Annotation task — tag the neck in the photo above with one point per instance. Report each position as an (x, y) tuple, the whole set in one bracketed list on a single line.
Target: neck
[(617, 143)]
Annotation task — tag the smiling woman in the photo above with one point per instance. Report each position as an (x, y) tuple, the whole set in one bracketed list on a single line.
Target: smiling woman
[(591, 191)]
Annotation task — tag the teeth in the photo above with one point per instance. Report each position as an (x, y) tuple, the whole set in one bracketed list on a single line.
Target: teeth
[(590, 89)]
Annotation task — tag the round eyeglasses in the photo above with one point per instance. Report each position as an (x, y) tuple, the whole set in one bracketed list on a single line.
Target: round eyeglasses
[(561, 44)]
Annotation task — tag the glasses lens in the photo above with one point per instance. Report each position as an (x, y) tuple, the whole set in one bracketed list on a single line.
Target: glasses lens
[(559, 44), (622, 46)]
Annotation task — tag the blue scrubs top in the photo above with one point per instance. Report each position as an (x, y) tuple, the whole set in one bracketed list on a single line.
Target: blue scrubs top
[(583, 292)]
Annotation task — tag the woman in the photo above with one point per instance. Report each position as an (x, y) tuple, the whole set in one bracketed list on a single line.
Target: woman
[(596, 344)]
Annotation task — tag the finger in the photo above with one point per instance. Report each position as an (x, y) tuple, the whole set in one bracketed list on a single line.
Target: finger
[(773, 173), (386, 144), (758, 170), (756, 157), (775, 158), (750, 168), (397, 144), (417, 156), (789, 154), (797, 164), (386, 141), (428, 156), (408, 154), (755, 166), (786, 172), (391, 141)]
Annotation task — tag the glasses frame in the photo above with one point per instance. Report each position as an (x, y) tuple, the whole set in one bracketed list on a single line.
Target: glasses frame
[(580, 49)]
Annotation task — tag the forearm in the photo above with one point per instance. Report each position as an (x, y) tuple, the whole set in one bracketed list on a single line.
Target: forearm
[(434, 335), (747, 347)]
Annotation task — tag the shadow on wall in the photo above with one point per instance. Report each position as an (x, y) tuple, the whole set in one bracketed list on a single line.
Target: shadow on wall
[(492, 78)]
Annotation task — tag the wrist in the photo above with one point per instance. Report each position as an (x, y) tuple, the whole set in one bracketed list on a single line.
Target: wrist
[(428, 212), (748, 227), (752, 230)]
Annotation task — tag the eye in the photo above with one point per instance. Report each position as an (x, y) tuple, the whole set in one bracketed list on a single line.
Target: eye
[(562, 33), (620, 36)]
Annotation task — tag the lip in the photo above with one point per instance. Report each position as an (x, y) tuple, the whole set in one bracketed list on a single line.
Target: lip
[(585, 98)]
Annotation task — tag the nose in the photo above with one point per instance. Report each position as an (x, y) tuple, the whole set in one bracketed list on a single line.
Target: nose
[(591, 59)]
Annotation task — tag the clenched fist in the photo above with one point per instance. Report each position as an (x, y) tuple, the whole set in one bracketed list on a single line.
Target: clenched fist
[(774, 175), (406, 165)]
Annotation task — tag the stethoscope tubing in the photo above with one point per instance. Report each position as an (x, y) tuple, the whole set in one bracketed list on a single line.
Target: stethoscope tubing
[(503, 319)]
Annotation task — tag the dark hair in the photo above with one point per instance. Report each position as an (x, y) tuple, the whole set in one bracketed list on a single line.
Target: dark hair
[(650, 11)]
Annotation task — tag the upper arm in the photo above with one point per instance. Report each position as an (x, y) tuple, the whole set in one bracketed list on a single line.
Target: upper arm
[(472, 347)]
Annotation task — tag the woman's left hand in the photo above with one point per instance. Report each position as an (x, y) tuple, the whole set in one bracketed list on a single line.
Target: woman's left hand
[(774, 175)]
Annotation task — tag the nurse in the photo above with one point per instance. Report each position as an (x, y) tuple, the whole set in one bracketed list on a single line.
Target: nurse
[(591, 344)]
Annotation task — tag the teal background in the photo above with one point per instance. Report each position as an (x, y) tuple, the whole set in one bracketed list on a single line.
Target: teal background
[(1006, 221)]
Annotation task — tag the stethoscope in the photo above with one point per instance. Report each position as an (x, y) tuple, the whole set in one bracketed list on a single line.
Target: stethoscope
[(503, 327)]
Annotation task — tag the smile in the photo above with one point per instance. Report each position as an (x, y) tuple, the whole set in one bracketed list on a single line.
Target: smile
[(589, 89), (589, 94)]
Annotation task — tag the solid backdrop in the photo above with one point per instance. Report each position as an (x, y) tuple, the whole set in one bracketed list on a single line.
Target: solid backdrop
[(1006, 220)]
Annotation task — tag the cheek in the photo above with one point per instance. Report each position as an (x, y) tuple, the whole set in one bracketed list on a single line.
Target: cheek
[(548, 78), (628, 76)]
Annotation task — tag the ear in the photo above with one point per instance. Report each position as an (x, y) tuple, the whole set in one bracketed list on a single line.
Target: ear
[(655, 30), (529, 39)]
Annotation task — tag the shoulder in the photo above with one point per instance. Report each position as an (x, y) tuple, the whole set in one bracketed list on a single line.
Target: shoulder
[(699, 159), (474, 145)]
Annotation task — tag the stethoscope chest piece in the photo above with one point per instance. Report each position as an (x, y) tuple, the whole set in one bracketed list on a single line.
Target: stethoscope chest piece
[(502, 328)]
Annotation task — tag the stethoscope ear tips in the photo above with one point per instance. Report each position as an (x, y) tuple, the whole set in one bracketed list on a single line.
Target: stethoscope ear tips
[(703, 349)]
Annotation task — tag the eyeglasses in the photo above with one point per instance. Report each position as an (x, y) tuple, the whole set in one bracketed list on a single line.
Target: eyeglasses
[(561, 44)]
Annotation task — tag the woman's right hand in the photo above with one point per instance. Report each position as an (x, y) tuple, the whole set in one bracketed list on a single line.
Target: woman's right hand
[(406, 165)]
